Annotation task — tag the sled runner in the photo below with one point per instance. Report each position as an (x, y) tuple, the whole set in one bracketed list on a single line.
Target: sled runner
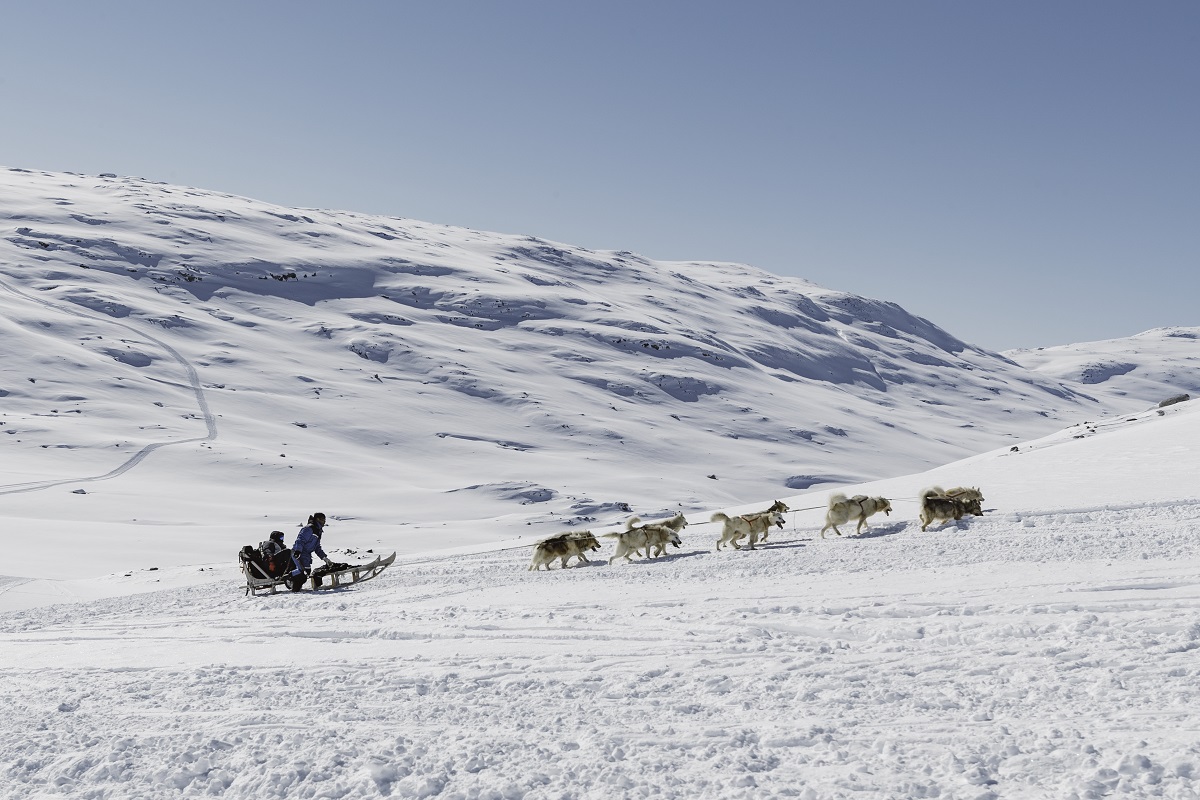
[(259, 577)]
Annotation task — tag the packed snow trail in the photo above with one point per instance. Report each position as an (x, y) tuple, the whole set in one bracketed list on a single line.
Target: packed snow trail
[(193, 380), (1014, 655)]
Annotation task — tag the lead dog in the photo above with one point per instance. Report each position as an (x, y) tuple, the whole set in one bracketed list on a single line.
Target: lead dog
[(653, 537), (562, 547), (843, 509), (752, 525), (936, 506)]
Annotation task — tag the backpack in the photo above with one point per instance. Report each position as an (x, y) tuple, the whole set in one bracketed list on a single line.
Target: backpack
[(253, 564)]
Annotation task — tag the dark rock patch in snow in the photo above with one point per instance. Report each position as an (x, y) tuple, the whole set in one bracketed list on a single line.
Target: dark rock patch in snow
[(523, 493), (1099, 372), (801, 482)]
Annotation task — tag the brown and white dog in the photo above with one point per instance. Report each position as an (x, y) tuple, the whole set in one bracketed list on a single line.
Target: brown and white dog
[(755, 526), (967, 493), (563, 547), (653, 537), (842, 509), (937, 505), (778, 507)]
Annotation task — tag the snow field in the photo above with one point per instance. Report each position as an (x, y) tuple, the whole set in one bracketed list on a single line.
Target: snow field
[(986, 659), (449, 393)]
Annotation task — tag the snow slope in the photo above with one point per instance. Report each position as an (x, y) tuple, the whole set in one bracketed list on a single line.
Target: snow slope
[(170, 392), (1046, 649), (1160, 363), (402, 374)]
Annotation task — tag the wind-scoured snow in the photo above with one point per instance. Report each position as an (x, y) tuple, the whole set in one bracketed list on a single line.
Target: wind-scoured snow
[(185, 371)]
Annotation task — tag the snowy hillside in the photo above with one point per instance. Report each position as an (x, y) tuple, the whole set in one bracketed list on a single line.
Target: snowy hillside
[(1155, 365), (1046, 649), (185, 371), (402, 373)]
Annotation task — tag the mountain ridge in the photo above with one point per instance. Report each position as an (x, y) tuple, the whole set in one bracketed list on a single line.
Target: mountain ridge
[(451, 358)]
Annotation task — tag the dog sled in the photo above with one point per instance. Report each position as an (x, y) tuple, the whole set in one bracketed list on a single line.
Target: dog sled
[(263, 575)]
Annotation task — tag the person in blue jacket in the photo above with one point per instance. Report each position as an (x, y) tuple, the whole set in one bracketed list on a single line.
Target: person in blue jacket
[(308, 541)]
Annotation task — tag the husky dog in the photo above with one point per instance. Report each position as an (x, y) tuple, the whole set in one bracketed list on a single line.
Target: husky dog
[(778, 507), (937, 505), (843, 509), (562, 547), (660, 534), (653, 537), (967, 493), (755, 526), (657, 539)]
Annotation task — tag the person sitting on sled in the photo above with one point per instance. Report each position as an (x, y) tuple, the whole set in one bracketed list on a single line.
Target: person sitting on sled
[(308, 541), (276, 556)]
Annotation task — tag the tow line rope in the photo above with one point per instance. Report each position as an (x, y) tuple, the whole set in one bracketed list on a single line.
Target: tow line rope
[(435, 559)]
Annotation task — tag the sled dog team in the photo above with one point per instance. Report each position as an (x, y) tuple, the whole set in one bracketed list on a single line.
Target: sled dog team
[(650, 540)]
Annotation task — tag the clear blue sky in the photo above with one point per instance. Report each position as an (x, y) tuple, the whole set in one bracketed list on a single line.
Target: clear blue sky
[(1021, 173)]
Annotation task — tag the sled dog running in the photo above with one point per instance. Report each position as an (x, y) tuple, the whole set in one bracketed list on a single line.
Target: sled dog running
[(755, 526), (653, 537), (842, 509), (779, 507), (563, 547), (937, 505), (966, 493)]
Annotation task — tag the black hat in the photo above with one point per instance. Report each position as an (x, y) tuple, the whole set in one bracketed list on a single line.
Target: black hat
[(277, 535)]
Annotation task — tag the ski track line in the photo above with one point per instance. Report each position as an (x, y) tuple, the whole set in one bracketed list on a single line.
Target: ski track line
[(193, 378)]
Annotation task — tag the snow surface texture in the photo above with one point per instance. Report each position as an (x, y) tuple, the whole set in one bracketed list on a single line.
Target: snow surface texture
[(170, 392), (1046, 649)]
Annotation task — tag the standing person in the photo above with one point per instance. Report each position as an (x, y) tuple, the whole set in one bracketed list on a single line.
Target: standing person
[(308, 541)]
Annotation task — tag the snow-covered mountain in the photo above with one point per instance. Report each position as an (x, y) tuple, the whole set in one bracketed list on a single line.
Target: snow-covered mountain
[(1162, 363), (536, 382), (184, 371)]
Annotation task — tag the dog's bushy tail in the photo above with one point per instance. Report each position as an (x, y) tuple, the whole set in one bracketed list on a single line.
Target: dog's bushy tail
[(632, 523), (932, 491), (835, 498), (720, 516)]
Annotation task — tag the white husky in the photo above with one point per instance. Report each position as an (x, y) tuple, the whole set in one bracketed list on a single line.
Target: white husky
[(755, 526), (653, 537), (842, 509)]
